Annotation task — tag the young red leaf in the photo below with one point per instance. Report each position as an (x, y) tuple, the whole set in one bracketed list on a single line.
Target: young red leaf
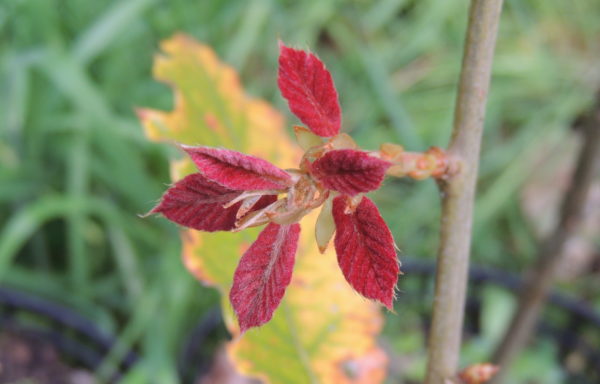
[(197, 203), (308, 87), (349, 171), (365, 250), (236, 170), (263, 274)]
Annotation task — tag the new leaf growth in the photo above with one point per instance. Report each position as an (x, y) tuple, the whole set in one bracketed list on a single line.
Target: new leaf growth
[(233, 191)]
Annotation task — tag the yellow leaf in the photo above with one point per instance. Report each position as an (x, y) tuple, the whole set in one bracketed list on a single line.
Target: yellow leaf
[(323, 331), (305, 138), (343, 141), (325, 226)]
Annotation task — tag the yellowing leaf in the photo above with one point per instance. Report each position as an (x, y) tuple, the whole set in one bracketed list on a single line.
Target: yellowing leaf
[(211, 107), (323, 332), (325, 226), (305, 138)]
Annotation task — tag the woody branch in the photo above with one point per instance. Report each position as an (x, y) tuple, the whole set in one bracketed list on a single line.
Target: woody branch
[(459, 192)]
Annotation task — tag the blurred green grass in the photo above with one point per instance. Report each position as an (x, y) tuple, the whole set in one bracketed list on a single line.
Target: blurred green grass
[(76, 169)]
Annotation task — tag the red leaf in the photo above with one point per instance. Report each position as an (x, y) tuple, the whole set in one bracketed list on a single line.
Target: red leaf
[(349, 171), (308, 87), (263, 274), (365, 250), (197, 203), (236, 170)]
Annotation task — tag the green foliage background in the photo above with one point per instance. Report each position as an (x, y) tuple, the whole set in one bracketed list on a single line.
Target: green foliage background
[(75, 169)]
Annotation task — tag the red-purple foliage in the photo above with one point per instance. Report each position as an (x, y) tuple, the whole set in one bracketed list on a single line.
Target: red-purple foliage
[(235, 191), (196, 202), (349, 171), (308, 87), (263, 274), (365, 250), (236, 170)]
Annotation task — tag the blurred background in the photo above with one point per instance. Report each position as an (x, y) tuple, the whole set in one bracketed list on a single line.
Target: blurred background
[(76, 170)]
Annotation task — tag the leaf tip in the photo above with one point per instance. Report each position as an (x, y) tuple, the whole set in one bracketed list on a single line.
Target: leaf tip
[(281, 45), (243, 328), (147, 214), (388, 300), (157, 209), (185, 147)]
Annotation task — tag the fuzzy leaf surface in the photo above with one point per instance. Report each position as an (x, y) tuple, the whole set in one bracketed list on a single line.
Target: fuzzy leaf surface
[(365, 250), (308, 87), (349, 171), (236, 170), (197, 202), (263, 274), (321, 326)]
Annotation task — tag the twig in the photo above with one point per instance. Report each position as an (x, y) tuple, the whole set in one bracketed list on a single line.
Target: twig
[(459, 192), (543, 273)]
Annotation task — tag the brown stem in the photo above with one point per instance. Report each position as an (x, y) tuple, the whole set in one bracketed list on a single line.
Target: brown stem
[(459, 192), (542, 275)]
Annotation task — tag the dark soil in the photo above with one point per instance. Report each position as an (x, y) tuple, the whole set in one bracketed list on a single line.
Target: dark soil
[(26, 358)]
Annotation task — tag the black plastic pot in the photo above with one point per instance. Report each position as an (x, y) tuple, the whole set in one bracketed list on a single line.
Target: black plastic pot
[(77, 339), (571, 324)]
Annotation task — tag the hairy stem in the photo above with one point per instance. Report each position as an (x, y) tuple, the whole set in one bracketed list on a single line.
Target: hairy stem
[(542, 275), (459, 192)]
